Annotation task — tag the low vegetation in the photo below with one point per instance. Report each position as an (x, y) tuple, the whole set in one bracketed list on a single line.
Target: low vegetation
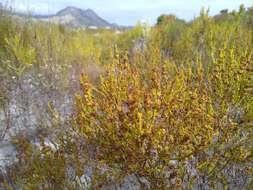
[(170, 105)]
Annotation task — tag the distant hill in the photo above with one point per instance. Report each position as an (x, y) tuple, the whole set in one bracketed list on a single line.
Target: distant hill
[(77, 18)]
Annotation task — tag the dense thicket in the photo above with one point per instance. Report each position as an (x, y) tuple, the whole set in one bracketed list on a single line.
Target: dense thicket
[(163, 107)]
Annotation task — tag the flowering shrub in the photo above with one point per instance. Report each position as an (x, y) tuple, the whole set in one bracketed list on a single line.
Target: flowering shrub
[(157, 126)]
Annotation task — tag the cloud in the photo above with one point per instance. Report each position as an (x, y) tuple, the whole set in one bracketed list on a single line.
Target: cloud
[(130, 11)]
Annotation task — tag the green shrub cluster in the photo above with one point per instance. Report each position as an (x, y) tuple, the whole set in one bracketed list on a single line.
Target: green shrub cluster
[(177, 115)]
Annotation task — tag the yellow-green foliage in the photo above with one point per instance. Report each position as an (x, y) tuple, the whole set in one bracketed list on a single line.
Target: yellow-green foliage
[(142, 126), (177, 114), (168, 31), (127, 39)]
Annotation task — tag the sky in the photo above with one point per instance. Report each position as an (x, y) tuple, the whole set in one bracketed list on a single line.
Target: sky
[(129, 12)]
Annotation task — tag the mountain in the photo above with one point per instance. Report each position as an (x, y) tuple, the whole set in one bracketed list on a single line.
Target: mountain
[(77, 18)]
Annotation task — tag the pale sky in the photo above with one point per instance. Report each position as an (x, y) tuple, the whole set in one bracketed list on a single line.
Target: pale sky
[(129, 12)]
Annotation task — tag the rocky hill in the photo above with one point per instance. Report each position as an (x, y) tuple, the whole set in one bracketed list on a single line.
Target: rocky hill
[(77, 18)]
